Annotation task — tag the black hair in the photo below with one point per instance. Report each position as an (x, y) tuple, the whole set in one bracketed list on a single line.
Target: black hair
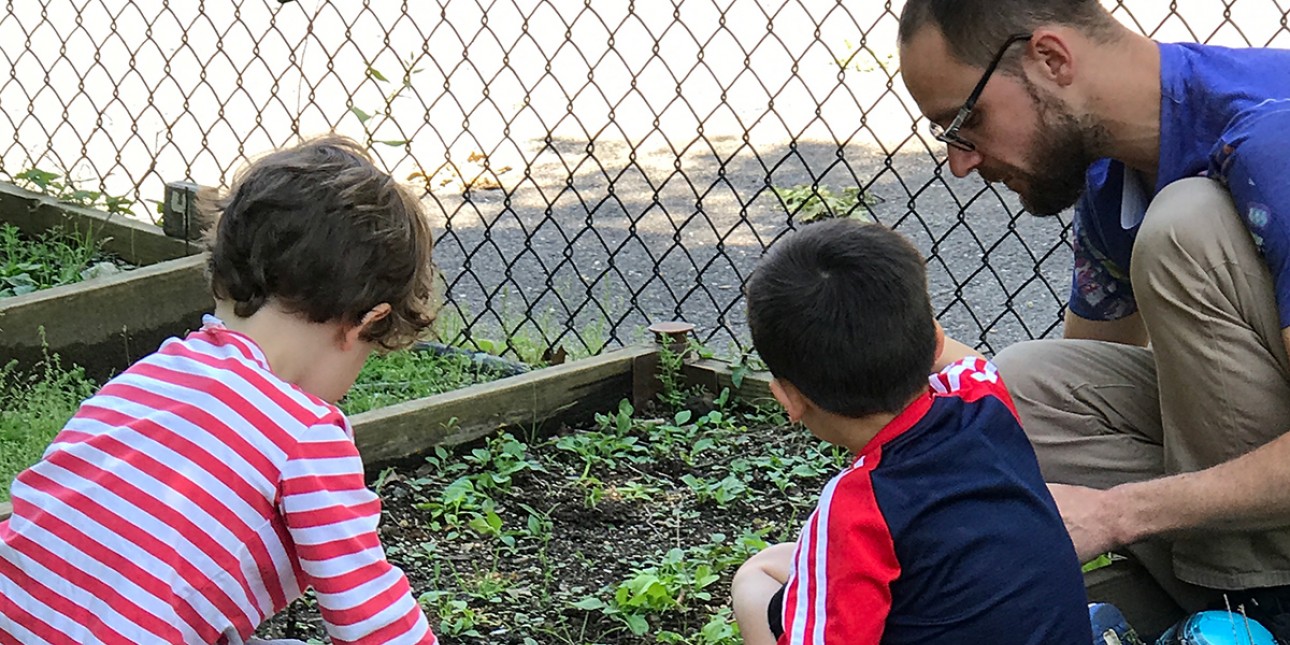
[(840, 310)]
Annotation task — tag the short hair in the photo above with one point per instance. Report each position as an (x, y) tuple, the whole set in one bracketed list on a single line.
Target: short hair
[(319, 230), (840, 310), (974, 30)]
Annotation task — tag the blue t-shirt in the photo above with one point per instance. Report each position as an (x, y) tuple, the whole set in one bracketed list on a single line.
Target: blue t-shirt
[(941, 531), (1224, 113)]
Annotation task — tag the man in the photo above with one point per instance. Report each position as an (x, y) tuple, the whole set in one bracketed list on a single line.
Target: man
[(1176, 158)]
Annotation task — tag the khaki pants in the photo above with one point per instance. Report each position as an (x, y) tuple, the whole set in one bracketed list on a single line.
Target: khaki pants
[(1214, 385)]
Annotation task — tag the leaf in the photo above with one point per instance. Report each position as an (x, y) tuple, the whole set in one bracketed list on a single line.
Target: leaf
[(737, 375), (636, 623), (363, 117), (1100, 561), (376, 74), (393, 143), (590, 603), (683, 417)]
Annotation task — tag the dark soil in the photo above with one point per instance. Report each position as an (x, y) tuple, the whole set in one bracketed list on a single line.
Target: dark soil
[(637, 520)]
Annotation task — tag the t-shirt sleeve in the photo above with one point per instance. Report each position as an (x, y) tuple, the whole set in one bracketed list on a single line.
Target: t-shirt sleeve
[(839, 589), (332, 519), (1252, 159), (1100, 285), (972, 379)]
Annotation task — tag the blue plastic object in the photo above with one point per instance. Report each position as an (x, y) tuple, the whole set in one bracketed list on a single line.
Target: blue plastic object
[(1110, 627), (1217, 628)]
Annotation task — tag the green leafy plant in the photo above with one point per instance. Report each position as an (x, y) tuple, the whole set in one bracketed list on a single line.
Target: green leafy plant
[(602, 448), (675, 393), (666, 586), (811, 202), (373, 120), (721, 492), (405, 375), (720, 629), (55, 258), (456, 618), (65, 190), (37, 404)]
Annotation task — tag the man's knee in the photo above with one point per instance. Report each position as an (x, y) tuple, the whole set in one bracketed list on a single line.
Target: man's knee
[(1183, 221), (1019, 364)]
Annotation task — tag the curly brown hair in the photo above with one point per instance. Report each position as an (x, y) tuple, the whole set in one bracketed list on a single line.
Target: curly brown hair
[(319, 230)]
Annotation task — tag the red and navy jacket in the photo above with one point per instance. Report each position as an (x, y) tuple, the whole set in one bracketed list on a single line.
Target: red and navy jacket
[(941, 531)]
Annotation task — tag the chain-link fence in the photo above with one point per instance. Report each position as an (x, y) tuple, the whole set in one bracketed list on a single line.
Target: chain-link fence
[(592, 167)]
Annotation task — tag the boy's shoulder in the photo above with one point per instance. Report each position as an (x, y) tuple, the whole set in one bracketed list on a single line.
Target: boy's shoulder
[(215, 365), (971, 379)]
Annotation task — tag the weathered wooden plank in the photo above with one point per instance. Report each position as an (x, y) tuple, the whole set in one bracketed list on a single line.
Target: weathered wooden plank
[(571, 391), (715, 375), (105, 324), (136, 242)]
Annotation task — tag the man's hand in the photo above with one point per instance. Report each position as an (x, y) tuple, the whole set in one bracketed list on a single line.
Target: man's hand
[(1089, 516)]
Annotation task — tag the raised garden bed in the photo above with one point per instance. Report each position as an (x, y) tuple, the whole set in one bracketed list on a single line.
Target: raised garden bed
[(40, 399), (52, 259), (623, 529), (523, 516), (425, 370), (102, 323)]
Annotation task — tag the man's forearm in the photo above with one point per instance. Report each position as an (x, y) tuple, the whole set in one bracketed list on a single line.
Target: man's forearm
[(1251, 492)]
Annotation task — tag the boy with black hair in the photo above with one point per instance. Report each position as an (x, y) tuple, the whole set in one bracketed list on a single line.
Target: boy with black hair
[(941, 530), (204, 488)]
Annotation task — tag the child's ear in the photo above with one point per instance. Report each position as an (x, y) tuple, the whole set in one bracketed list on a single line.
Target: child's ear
[(790, 397), (355, 333)]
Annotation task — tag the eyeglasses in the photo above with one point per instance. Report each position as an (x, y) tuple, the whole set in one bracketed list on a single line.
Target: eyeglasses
[(950, 136)]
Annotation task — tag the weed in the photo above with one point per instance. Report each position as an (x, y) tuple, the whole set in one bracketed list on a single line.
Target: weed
[(666, 586), (602, 448), (395, 377), (675, 393), (374, 120), (456, 618), (810, 202), (64, 189), (37, 404), (722, 493), (719, 630), (534, 337), (56, 257), (501, 458)]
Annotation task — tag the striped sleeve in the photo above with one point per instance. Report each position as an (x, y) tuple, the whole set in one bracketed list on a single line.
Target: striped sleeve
[(839, 589), (332, 518), (972, 379)]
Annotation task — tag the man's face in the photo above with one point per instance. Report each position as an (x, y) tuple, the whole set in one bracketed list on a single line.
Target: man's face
[(1025, 139)]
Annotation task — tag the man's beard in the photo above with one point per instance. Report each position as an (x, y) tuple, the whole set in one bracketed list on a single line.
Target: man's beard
[(1062, 151)]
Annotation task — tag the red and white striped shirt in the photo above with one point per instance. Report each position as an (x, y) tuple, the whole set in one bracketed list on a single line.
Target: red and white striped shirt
[(193, 497)]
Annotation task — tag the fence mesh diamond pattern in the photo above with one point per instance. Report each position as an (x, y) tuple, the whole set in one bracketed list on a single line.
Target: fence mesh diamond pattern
[(592, 167)]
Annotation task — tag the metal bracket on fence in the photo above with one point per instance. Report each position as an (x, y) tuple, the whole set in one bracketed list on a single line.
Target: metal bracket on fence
[(179, 209), (675, 335)]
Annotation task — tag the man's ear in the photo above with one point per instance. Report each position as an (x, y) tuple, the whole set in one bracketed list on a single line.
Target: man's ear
[(354, 334), (794, 402), (1056, 60)]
